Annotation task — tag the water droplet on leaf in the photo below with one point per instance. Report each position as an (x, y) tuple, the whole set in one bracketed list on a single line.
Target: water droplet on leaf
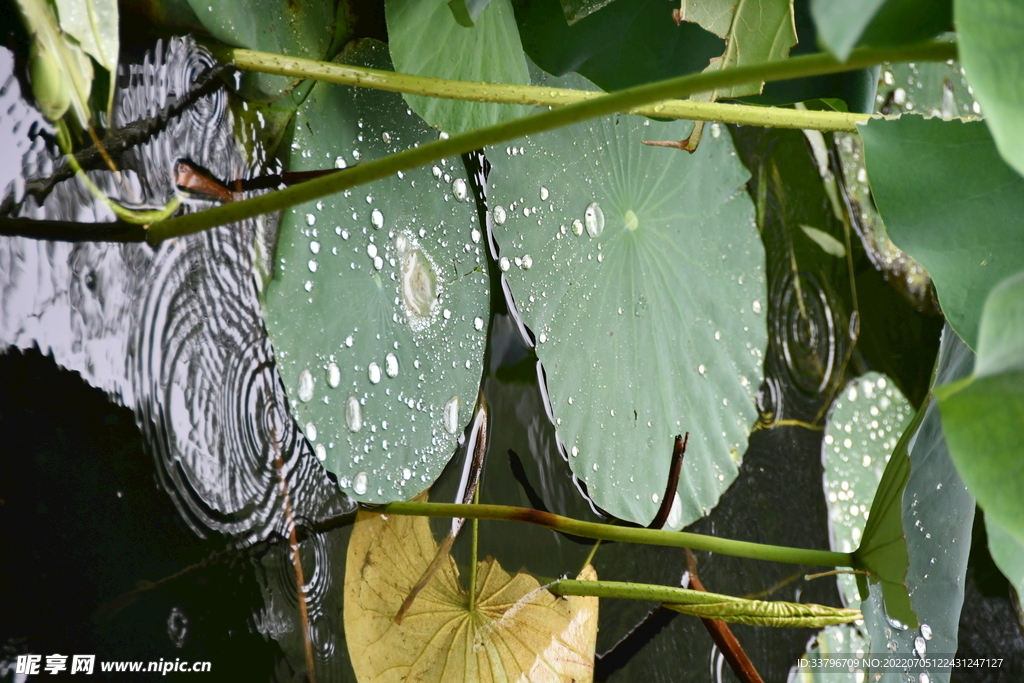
[(450, 415), (373, 372), (593, 219), (305, 386), (353, 414)]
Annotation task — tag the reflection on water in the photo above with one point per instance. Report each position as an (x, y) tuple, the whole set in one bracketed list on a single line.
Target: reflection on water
[(173, 333)]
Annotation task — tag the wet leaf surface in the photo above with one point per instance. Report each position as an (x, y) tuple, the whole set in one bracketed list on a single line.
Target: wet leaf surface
[(425, 40), (517, 631), (982, 415), (377, 307), (1007, 552), (298, 29), (864, 427), (938, 513), (639, 270)]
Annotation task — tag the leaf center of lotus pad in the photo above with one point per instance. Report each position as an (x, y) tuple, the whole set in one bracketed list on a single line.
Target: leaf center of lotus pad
[(419, 283), (631, 220)]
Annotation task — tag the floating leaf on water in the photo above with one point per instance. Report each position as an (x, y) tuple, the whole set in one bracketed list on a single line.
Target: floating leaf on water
[(630, 310), (378, 339), (938, 515), (864, 425), (518, 631)]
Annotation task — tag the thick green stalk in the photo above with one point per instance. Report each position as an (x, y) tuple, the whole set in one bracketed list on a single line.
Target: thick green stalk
[(623, 100), (609, 532), (531, 95)]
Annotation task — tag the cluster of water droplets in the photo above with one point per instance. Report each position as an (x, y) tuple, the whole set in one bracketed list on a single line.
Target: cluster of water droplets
[(592, 219), (929, 88), (383, 390), (864, 426)]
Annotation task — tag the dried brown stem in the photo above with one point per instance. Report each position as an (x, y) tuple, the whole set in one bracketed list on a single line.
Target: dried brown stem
[(722, 634)]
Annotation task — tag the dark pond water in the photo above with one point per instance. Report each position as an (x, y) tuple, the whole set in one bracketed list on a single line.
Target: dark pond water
[(150, 470)]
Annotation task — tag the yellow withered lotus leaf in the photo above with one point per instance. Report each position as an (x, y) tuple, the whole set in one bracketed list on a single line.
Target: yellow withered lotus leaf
[(518, 631)]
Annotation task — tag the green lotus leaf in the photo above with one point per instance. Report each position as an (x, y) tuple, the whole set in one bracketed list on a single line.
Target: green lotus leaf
[(990, 38), (466, 12), (426, 40), (844, 24), (938, 514), (982, 415), (619, 45), (94, 24), (952, 203), (378, 302), (298, 29), (641, 273), (1007, 552), (865, 425)]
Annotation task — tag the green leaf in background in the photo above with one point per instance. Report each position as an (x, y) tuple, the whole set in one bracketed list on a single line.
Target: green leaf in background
[(425, 40), (990, 40), (378, 305), (620, 45), (640, 271), (938, 515), (1007, 552), (466, 12), (844, 24), (951, 202), (61, 72), (298, 29), (754, 31), (94, 24), (983, 415)]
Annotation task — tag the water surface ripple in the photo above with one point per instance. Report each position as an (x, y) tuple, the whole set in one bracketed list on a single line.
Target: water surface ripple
[(174, 333)]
